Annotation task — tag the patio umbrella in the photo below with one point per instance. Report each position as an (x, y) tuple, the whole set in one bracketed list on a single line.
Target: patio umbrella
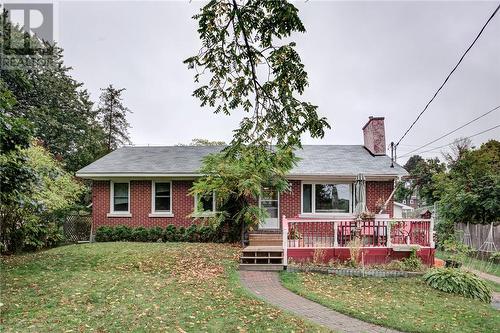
[(360, 191)]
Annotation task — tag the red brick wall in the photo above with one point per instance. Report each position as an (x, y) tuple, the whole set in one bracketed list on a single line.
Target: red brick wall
[(140, 205), (377, 190), (183, 203), (290, 201)]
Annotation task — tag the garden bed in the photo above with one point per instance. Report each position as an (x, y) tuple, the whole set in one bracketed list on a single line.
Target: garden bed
[(358, 272)]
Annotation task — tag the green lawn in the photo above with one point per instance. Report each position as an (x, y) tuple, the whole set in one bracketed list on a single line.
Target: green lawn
[(406, 304), (141, 287), (480, 265)]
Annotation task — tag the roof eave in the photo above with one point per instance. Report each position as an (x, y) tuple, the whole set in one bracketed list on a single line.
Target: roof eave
[(135, 175)]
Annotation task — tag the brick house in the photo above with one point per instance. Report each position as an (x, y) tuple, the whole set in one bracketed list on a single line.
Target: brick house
[(149, 186)]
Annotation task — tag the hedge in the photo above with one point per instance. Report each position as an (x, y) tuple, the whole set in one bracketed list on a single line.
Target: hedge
[(194, 233)]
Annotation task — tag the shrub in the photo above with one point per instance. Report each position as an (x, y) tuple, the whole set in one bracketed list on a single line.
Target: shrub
[(121, 233), (191, 233), (412, 263), (458, 282), (394, 265), (103, 234), (457, 251), (495, 257), (170, 233), (155, 234), (206, 233), (140, 234), (181, 234)]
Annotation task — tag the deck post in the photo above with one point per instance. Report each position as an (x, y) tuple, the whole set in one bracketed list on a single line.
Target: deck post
[(284, 224), (431, 232), (335, 234), (389, 240)]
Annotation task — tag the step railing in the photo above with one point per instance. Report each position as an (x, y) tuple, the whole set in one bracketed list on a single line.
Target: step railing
[(332, 233)]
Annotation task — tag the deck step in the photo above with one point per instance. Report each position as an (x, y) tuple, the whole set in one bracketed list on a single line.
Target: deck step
[(265, 240), (263, 248), (262, 256), (258, 267), (265, 243), (265, 235)]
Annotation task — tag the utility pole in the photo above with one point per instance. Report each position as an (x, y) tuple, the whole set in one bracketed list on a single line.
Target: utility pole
[(392, 154)]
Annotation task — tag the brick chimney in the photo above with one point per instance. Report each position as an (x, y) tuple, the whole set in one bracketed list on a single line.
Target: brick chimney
[(374, 135)]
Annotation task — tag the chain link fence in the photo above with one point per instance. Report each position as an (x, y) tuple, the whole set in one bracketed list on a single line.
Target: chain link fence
[(77, 228)]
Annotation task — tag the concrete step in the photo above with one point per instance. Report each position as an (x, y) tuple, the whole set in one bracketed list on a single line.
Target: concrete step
[(261, 267)]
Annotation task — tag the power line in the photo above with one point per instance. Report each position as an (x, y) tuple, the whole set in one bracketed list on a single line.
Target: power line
[(446, 80), (449, 144), (456, 129)]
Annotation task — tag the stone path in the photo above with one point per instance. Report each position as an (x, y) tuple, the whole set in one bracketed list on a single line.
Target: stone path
[(486, 276), (495, 296), (266, 285)]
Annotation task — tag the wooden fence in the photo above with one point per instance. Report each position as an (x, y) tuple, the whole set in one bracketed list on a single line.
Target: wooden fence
[(478, 234), (77, 228)]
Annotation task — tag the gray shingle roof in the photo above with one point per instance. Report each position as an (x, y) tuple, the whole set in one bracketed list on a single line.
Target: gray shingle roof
[(335, 160)]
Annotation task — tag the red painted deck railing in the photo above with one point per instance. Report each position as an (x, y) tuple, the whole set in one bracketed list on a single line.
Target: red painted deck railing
[(328, 233)]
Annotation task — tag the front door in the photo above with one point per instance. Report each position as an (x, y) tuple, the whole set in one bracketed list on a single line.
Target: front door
[(269, 201)]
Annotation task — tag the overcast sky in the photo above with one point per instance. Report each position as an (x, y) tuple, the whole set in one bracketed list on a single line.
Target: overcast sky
[(363, 58)]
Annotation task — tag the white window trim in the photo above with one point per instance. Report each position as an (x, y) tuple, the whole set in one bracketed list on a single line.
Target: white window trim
[(112, 212), (313, 199), (204, 214), (160, 213)]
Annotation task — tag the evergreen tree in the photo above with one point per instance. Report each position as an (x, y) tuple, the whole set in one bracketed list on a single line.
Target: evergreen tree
[(114, 117), (46, 95)]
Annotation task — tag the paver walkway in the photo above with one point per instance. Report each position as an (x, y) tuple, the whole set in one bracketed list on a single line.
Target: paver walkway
[(267, 286)]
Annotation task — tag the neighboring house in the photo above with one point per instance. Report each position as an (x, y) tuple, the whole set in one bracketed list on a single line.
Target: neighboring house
[(414, 200), (149, 186), (401, 210)]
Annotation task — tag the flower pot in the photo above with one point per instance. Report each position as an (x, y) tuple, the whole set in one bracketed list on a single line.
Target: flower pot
[(453, 263)]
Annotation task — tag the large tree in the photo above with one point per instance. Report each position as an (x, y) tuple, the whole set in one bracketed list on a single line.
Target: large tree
[(470, 191), (248, 64), (114, 117), (421, 180), (59, 108)]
